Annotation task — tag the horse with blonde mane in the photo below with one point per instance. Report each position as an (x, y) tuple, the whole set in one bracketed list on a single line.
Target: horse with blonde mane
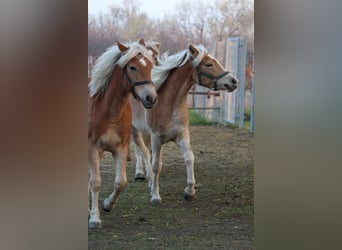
[(169, 119), (154, 50), (121, 70)]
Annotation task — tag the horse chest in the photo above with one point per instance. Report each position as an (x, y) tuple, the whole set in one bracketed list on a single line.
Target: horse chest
[(111, 139)]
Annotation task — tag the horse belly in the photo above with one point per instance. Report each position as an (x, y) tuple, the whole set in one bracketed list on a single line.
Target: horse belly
[(168, 135)]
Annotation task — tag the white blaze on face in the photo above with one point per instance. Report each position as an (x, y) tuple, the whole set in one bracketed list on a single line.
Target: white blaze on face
[(142, 61)]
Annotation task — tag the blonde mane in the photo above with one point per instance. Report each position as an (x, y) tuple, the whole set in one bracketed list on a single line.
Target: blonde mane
[(167, 63), (105, 64)]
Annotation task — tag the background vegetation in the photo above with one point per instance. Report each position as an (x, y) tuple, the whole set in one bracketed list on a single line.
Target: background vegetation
[(199, 21)]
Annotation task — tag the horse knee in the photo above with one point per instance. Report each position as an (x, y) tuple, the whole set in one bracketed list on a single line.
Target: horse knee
[(120, 185), (189, 158), (95, 184)]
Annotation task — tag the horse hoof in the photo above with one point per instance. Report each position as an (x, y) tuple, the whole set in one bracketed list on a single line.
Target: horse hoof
[(156, 201), (94, 224), (139, 176), (104, 208), (188, 197)]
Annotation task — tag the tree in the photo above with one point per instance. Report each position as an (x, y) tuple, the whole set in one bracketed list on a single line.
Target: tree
[(196, 21)]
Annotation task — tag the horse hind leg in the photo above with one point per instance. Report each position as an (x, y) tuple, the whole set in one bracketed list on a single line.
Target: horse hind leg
[(189, 158), (139, 168), (129, 158), (146, 156), (95, 186), (142, 155), (120, 179)]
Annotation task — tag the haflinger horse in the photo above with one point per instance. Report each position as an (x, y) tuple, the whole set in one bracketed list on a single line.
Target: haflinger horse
[(153, 48), (169, 119), (121, 70)]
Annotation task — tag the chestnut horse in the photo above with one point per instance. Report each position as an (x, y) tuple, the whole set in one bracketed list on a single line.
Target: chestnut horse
[(169, 119), (119, 71), (154, 49)]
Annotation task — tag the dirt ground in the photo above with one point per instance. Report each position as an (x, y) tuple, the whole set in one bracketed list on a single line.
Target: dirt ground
[(220, 216)]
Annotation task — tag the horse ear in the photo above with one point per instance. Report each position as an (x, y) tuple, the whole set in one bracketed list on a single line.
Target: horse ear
[(157, 45), (142, 41), (122, 47), (193, 50)]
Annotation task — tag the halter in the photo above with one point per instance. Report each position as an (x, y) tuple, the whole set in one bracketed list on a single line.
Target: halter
[(134, 84), (211, 77)]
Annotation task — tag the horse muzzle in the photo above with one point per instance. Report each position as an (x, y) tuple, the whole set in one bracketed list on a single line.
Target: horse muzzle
[(149, 101), (232, 85)]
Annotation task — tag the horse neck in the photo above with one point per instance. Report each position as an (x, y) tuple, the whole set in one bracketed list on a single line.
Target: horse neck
[(175, 90), (115, 98)]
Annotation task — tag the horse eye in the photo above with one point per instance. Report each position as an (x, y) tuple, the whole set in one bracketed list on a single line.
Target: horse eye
[(132, 68), (208, 65)]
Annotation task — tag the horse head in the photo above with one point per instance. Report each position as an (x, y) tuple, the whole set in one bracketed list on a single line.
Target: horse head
[(138, 73), (211, 74)]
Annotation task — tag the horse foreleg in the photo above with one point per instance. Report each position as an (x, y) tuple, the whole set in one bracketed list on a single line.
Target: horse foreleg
[(156, 166), (95, 186), (184, 144), (120, 159)]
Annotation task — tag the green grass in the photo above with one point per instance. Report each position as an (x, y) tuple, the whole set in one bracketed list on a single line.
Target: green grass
[(246, 124), (196, 119), (247, 118)]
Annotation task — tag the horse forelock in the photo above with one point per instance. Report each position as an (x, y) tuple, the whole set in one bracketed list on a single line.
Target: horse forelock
[(202, 52), (167, 63), (105, 64), (153, 46), (134, 50)]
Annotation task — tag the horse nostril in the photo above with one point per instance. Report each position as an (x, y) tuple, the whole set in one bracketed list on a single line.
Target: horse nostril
[(234, 81), (148, 99)]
